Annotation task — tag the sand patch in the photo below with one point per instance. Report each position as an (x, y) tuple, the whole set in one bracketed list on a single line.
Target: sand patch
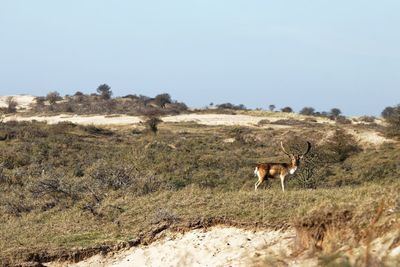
[(205, 119), (219, 246)]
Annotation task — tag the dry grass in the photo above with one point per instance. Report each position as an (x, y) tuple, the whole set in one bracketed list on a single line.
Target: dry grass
[(67, 186)]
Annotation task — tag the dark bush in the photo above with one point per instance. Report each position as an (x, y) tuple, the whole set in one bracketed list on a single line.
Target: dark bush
[(105, 91), (152, 124), (342, 120), (392, 117), (162, 99), (287, 109), (335, 112), (11, 105), (368, 119), (271, 107), (309, 111), (231, 106), (91, 129)]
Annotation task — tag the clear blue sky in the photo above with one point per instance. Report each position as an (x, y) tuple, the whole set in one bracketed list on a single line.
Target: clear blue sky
[(319, 53)]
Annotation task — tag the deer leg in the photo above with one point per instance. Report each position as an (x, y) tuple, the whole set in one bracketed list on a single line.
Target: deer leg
[(283, 182), (258, 184)]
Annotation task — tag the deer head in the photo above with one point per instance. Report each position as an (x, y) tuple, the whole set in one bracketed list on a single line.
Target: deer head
[(295, 158)]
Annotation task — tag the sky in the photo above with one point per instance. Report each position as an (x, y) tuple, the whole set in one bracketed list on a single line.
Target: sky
[(297, 53)]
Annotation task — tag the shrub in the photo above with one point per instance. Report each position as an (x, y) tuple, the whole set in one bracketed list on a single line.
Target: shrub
[(335, 112), (231, 106), (162, 99), (40, 101), (53, 97), (263, 122), (152, 124), (287, 109), (342, 120), (91, 129), (369, 119), (392, 117), (11, 105), (309, 111)]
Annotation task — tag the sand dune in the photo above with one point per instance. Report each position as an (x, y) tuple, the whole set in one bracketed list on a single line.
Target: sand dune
[(365, 137), (230, 246), (219, 246)]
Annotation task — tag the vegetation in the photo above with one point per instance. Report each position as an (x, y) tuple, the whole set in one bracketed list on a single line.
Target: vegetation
[(231, 106), (104, 90), (83, 186), (103, 103), (287, 109), (392, 117)]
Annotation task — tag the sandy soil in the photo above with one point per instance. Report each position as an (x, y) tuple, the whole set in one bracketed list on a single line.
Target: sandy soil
[(219, 246), (206, 119), (366, 137), (79, 119), (230, 246)]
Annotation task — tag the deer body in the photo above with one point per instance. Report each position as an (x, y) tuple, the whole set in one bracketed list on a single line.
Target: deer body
[(265, 171)]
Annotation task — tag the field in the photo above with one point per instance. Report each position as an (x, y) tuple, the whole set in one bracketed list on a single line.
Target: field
[(70, 191)]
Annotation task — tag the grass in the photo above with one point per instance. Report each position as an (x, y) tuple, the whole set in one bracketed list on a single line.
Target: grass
[(67, 186)]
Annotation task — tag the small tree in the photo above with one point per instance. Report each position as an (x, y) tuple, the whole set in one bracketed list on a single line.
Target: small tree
[(335, 112), (287, 109), (309, 111), (105, 91), (162, 99), (271, 107), (11, 105), (53, 97), (388, 112)]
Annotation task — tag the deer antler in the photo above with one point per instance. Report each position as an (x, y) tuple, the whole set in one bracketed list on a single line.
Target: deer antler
[(284, 149), (308, 149)]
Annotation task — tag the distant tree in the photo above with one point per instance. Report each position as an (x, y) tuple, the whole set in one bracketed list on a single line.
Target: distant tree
[(309, 111), (53, 97), (392, 117), (162, 99), (78, 93), (388, 112), (11, 105), (287, 109), (231, 106), (271, 107), (335, 112), (105, 91)]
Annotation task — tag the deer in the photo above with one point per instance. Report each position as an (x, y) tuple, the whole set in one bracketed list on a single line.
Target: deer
[(264, 171)]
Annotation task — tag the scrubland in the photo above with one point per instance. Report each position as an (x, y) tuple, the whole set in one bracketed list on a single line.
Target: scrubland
[(69, 191)]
